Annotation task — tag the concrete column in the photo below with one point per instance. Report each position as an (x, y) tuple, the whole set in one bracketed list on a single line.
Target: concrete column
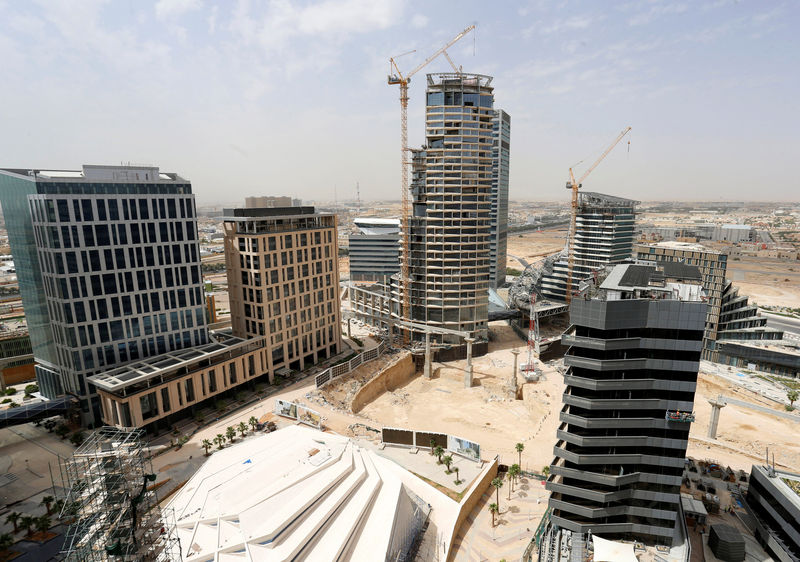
[(349, 320), (468, 374), (427, 371), (515, 353), (716, 405)]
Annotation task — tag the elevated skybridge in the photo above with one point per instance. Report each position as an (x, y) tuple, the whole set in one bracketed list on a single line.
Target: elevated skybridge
[(37, 411)]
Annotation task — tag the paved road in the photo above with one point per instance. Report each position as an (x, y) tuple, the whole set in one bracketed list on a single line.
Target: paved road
[(782, 323), (785, 415)]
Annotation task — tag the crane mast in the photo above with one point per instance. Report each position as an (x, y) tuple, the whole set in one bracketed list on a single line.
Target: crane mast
[(574, 186), (397, 78)]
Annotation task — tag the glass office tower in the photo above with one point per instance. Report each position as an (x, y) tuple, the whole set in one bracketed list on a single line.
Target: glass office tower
[(109, 269), (501, 153)]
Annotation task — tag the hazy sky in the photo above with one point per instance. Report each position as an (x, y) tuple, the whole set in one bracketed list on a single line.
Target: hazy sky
[(280, 97)]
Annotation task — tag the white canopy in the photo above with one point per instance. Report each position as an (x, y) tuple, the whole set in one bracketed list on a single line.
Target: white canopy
[(611, 551)]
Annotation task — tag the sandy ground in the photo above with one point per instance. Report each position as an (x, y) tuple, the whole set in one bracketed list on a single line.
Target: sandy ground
[(744, 434), (768, 282), (531, 246)]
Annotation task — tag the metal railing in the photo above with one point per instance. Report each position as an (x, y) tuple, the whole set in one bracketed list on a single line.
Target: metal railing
[(336, 371)]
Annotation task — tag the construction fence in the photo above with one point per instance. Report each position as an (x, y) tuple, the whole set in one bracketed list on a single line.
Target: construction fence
[(424, 439), (331, 373)]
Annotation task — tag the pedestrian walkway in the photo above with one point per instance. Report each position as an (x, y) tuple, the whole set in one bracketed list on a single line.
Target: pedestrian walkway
[(515, 524)]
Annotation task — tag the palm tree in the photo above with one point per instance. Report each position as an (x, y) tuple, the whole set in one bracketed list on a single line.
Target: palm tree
[(230, 433), (58, 506), (6, 542), (242, 428), (792, 395), (497, 483), (513, 472), (206, 444), (253, 421), (439, 451), (433, 444), (519, 447), (546, 470), (458, 481), (219, 440), (27, 522), (494, 509), (46, 501), (447, 460), (42, 523), (13, 518)]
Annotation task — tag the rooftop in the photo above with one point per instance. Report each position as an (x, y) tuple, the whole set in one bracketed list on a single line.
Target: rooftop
[(266, 212), (683, 246), (98, 173), (647, 281), (592, 198), (223, 344), (279, 496)]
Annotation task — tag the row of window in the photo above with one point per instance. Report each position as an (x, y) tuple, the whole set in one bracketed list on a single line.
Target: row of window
[(142, 282), (95, 359), (73, 209), (286, 241), (114, 234), (247, 261)]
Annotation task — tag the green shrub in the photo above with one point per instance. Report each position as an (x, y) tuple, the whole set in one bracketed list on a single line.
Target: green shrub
[(5, 401), (11, 391), (31, 388)]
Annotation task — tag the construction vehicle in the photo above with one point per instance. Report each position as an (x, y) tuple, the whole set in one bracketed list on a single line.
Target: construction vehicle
[(397, 78), (575, 186)]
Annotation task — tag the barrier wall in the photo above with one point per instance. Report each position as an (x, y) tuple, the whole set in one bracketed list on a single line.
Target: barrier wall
[(471, 499), (331, 373), (391, 377), (422, 440)]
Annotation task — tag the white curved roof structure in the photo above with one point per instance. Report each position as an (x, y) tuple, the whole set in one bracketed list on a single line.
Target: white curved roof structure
[(296, 493)]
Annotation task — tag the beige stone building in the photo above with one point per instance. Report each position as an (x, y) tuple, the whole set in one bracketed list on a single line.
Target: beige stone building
[(283, 282)]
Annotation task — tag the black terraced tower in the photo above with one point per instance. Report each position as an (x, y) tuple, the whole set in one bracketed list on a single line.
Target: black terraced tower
[(632, 364)]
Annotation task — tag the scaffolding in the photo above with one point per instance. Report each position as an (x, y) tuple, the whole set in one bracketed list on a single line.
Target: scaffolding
[(115, 510)]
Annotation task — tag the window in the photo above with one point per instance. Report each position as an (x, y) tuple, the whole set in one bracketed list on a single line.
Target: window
[(148, 405), (189, 384), (232, 373), (165, 399), (212, 381)]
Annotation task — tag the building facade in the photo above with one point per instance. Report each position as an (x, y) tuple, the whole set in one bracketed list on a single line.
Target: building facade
[(631, 377), (501, 159), (109, 270), (450, 226), (604, 232), (283, 282), (374, 253), (773, 498)]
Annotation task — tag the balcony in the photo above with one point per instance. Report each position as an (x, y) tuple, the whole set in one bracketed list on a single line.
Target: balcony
[(616, 458), (631, 364), (630, 384), (626, 403)]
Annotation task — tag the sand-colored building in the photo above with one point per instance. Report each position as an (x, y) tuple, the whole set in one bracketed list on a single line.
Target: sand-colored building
[(283, 283)]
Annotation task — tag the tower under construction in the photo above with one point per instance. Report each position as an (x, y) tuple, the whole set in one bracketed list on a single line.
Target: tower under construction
[(449, 226), (604, 232), (116, 510)]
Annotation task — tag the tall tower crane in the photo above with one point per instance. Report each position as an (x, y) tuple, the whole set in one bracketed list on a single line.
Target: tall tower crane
[(397, 78), (574, 186)]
